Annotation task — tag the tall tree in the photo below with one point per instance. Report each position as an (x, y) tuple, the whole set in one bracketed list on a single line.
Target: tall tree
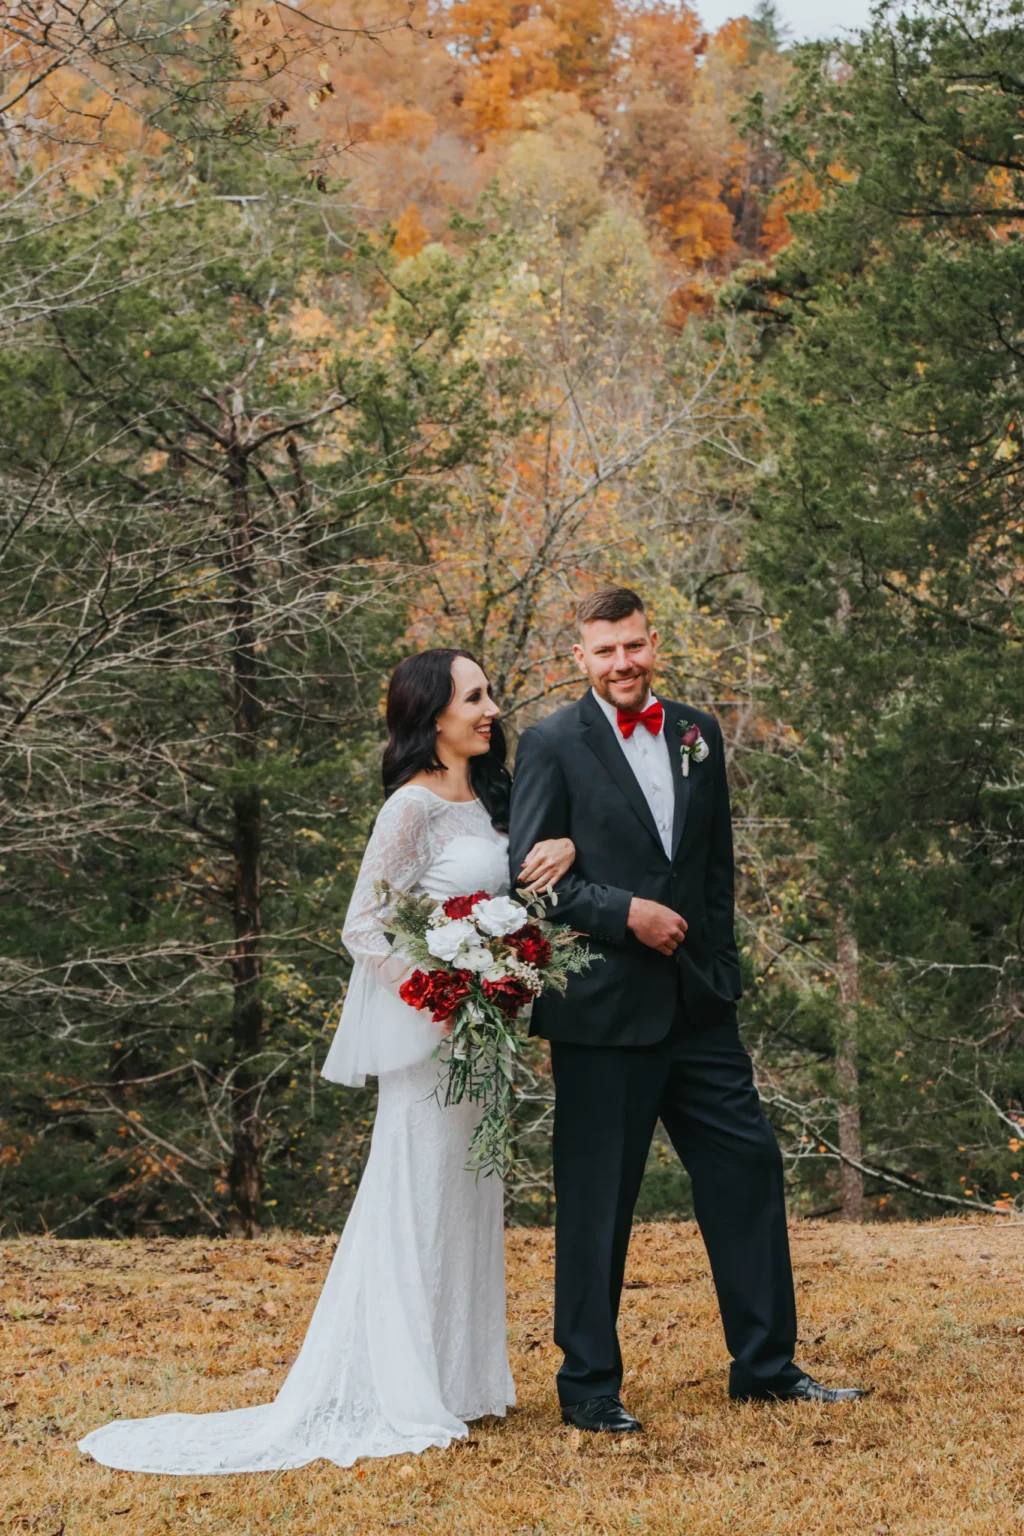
[(205, 477), (889, 541)]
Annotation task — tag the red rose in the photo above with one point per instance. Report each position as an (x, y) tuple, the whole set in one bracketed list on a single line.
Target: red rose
[(449, 993), (461, 906), (531, 945), (416, 989), (440, 991), (510, 995), (692, 736)]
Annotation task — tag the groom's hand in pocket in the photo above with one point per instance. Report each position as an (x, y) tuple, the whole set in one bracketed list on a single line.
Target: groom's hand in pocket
[(656, 926)]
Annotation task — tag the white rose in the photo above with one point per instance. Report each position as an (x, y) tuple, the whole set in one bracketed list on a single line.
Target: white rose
[(476, 959), (446, 942), (701, 750), (499, 915)]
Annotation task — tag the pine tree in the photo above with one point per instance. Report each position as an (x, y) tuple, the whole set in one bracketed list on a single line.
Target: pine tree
[(215, 460), (889, 542)]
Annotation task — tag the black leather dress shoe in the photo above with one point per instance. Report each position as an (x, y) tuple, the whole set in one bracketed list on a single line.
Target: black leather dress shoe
[(601, 1413), (806, 1390)]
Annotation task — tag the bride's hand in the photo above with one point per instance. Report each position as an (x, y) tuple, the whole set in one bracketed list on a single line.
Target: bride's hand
[(546, 863)]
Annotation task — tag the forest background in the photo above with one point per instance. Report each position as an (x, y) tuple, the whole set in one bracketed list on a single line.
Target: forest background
[(330, 331)]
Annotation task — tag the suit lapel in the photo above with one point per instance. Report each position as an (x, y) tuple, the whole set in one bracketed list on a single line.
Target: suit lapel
[(599, 737), (673, 715)]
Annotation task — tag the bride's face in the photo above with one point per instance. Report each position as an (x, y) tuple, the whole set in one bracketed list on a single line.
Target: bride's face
[(464, 728)]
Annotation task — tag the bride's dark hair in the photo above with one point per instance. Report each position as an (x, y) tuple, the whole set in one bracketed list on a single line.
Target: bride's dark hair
[(420, 689)]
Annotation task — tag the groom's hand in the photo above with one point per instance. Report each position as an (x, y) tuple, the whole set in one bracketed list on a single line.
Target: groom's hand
[(656, 926)]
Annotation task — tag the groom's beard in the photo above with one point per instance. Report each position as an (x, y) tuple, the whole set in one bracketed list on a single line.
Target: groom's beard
[(625, 693)]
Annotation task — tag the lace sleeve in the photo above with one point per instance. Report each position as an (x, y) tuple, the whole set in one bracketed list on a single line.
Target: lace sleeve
[(399, 852)]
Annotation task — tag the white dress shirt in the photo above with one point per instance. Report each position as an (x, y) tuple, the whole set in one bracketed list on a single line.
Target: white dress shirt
[(648, 757)]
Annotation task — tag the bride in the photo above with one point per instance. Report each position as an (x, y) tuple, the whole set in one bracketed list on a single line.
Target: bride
[(407, 1341)]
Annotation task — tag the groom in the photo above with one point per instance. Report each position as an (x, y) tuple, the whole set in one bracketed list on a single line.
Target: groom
[(650, 1031)]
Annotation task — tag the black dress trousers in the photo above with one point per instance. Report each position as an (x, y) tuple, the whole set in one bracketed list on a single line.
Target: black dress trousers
[(699, 1083)]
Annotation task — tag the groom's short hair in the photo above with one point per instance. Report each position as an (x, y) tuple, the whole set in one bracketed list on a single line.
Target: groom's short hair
[(609, 603)]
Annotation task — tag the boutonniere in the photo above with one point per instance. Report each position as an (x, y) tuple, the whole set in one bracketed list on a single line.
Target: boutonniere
[(692, 745)]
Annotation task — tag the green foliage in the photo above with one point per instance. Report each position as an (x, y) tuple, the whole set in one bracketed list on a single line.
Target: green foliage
[(889, 539), (249, 458), (217, 455)]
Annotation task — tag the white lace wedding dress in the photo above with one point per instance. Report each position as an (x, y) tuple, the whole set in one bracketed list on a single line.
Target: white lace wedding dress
[(408, 1338)]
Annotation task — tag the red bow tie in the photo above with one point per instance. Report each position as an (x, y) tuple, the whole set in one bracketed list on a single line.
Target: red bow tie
[(628, 719)]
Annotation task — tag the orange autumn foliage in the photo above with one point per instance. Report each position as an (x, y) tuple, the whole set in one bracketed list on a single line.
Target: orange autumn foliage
[(514, 51), (411, 234), (511, 53), (420, 106), (658, 148), (675, 103), (792, 195), (433, 105)]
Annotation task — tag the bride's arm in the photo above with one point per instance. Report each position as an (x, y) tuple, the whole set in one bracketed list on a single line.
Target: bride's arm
[(398, 852), (547, 862), (376, 1031)]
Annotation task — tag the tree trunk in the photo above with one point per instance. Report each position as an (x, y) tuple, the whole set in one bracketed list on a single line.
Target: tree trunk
[(851, 1180), (247, 1021)]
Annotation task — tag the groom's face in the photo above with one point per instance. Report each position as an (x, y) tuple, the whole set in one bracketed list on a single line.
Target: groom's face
[(618, 657)]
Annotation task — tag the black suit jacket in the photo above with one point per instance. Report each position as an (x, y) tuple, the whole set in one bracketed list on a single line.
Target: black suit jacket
[(573, 780)]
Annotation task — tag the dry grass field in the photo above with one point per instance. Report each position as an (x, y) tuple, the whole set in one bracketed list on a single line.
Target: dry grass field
[(928, 1316)]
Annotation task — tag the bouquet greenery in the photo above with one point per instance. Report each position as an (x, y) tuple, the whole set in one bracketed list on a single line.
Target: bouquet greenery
[(480, 960)]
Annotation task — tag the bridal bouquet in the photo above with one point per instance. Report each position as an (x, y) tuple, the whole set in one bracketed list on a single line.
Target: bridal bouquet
[(480, 960)]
